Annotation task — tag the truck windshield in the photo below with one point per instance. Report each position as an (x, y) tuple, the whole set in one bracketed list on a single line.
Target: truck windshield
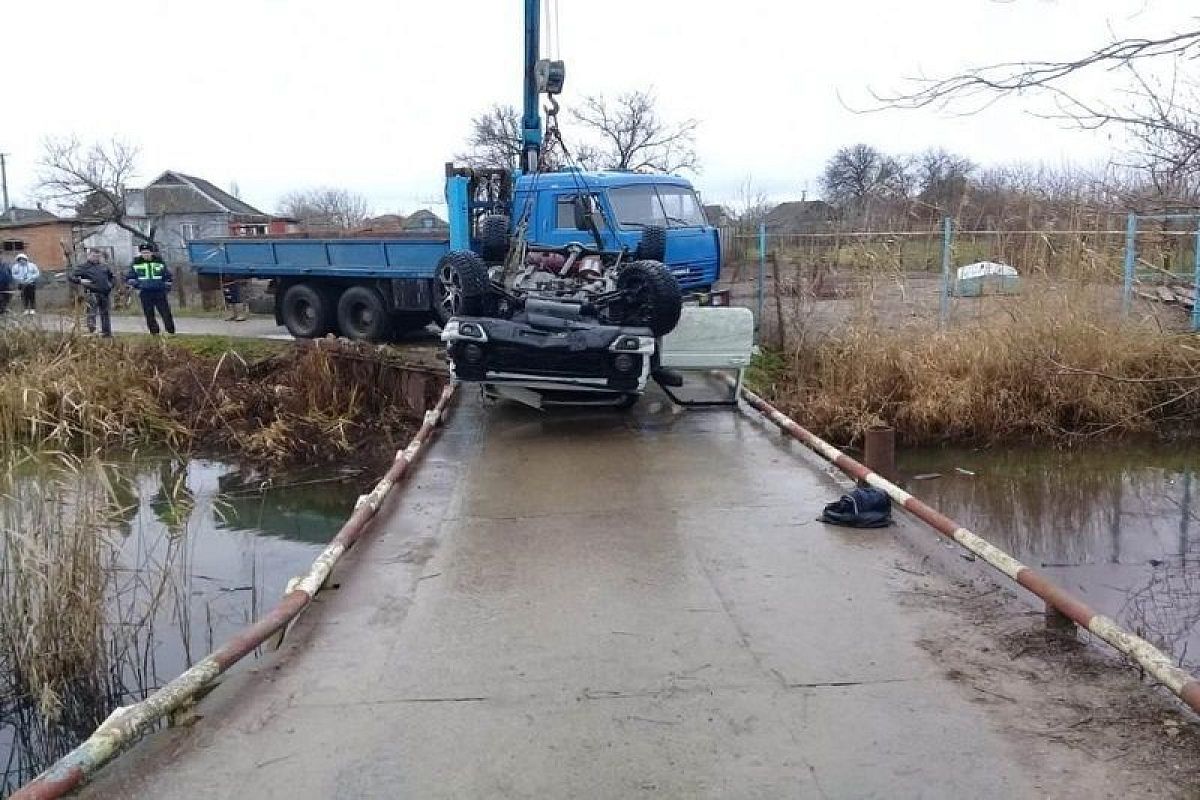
[(665, 205)]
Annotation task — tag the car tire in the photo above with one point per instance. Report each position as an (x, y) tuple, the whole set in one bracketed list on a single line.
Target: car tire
[(362, 315), (493, 238), (653, 245), (461, 287), (651, 297), (304, 311)]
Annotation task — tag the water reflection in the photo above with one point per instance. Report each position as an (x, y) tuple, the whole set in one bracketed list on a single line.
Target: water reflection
[(191, 551), (1119, 525)]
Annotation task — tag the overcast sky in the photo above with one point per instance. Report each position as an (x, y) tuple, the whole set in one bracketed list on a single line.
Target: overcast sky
[(375, 96)]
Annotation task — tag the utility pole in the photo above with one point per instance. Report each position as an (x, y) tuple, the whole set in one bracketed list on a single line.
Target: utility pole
[(4, 182)]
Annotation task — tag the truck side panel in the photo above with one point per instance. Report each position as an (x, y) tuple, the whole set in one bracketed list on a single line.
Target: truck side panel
[(329, 258)]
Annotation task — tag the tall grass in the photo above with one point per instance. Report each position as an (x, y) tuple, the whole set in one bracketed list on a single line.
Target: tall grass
[(80, 609), (1046, 370), (64, 661), (61, 390), (312, 404)]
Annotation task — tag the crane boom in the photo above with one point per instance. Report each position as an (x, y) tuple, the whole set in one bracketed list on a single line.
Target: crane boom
[(531, 120)]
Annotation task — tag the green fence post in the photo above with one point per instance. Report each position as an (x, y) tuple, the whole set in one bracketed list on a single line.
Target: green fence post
[(1196, 283), (762, 273), (944, 308), (1131, 226)]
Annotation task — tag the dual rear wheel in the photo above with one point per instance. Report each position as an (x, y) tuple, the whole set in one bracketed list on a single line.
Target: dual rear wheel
[(358, 312)]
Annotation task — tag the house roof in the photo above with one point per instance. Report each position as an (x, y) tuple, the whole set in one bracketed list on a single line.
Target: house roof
[(26, 216), (176, 193), (418, 220), (799, 215), (386, 222)]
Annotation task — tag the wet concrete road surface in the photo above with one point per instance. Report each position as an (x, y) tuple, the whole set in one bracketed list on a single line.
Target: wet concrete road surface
[(591, 604)]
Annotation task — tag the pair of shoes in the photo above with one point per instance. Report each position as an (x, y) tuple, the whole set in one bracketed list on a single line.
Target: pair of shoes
[(29, 312)]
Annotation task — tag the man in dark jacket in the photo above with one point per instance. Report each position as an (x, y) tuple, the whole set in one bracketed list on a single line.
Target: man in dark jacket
[(150, 276), (6, 287), (97, 281)]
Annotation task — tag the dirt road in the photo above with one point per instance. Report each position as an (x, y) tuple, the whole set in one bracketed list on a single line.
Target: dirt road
[(601, 605)]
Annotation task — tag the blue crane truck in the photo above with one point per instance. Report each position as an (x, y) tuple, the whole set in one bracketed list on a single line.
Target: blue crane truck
[(555, 283), (379, 287)]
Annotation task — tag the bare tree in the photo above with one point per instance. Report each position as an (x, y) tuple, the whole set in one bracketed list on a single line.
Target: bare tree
[(495, 139), (751, 207), (631, 134), (941, 179), (857, 175), (1159, 115), (325, 207), (92, 180)]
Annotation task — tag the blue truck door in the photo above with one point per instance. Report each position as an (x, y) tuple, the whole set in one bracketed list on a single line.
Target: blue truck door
[(557, 221)]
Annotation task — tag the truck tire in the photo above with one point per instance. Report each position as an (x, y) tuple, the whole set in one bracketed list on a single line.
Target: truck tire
[(493, 238), (305, 311), (650, 296), (362, 315), (653, 245), (461, 287)]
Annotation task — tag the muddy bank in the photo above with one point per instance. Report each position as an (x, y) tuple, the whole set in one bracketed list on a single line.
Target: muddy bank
[(275, 404)]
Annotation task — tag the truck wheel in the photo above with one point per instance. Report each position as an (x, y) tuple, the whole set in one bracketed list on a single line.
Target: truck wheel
[(462, 287), (653, 245), (362, 315), (650, 296), (305, 311), (493, 238)]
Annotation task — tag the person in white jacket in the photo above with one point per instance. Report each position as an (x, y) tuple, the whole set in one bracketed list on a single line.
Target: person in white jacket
[(25, 275)]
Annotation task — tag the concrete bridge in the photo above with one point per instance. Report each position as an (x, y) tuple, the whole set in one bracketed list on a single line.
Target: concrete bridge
[(591, 604)]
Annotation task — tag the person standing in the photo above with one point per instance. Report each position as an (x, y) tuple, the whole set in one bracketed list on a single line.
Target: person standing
[(233, 301), (97, 281), (26, 273), (150, 276), (6, 287)]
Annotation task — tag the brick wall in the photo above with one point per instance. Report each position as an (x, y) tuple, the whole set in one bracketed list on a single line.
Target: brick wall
[(42, 242)]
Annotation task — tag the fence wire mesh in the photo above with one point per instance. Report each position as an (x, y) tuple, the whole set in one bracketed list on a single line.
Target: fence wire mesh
[(819, 283)]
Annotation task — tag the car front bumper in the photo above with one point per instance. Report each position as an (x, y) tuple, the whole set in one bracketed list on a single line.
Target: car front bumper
[(549, 354)]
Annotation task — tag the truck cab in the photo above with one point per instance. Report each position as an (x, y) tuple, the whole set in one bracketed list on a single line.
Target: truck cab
[(629, 203)]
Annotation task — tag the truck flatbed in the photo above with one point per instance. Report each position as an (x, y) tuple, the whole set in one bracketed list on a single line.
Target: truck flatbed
[(332, 258)]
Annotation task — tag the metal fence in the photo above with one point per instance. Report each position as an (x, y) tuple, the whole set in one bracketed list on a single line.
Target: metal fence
[(800, 284)]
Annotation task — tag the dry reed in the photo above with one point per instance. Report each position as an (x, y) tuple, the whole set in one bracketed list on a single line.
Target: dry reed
[(1044, 371), (63, 391)]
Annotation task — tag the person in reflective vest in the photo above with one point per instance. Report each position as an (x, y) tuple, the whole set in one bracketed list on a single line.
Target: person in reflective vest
[(150, 276)]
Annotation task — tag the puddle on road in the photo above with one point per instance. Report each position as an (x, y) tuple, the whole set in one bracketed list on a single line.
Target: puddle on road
[(197, 550), (1120, 525)]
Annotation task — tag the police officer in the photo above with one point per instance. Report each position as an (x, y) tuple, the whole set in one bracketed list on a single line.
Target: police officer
[(150, 276)]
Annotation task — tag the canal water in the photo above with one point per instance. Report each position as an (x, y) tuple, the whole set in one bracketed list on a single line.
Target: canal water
[(197, 549), (1120, 526)]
